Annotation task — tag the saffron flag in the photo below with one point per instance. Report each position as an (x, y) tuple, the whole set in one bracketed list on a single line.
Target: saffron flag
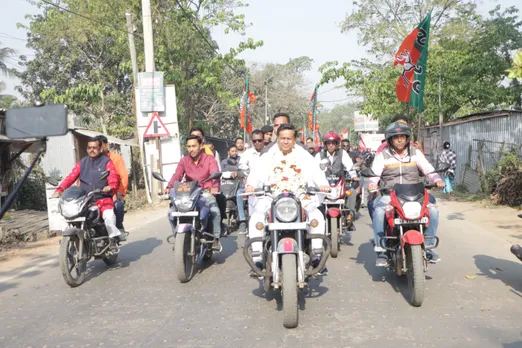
[(413, 56), (247, 98)]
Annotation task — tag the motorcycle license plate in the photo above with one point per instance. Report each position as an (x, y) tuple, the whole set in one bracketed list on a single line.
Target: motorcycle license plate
[(424, 220)]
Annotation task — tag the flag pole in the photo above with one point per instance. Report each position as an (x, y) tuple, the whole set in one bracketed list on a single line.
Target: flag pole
[(246, 109), (314, 118)]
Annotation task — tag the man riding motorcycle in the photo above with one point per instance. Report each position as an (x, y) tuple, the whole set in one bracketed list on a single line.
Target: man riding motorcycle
[(249, 162), (198, 166), (88, 172), (340, 162), (123, 182), (287, 170), (400, 163)]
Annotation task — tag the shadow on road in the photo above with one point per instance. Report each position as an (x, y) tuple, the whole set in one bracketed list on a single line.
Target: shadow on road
[(129, 253), (23, 272), (229, 245), (509, 272), (367, 256), (456, 216)]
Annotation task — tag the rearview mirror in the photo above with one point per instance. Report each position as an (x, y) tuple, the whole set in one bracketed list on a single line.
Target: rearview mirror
[(367, 173), (215, 175), (104, 175), (325, 163), (36, 121), (53, 181), (158, 176)]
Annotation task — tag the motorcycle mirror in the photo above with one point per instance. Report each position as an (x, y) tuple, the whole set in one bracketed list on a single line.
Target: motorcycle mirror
[(325, 163), (158, 176), (215, 175), (443, 167), (367, 173), (104, 175), (53, 181), (520, 216), (232, 161)]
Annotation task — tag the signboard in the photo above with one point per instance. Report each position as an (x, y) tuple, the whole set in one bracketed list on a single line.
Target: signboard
[(364, 123), (156, 127), (152, 91), (370, 142)]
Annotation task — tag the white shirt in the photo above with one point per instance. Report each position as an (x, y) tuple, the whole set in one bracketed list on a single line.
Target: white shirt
[(312, 175), (250, 159), (346, 160)]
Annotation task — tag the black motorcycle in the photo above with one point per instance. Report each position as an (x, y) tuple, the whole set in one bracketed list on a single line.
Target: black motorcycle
[(86, 235)]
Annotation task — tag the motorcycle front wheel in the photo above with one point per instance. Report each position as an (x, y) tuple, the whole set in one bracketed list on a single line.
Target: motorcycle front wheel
[(334, 235), (415, 274), (290, 309), (183, 262), (73, 269)]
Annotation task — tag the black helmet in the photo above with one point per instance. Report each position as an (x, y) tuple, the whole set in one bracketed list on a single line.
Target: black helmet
[(397, 128), (446, 145)]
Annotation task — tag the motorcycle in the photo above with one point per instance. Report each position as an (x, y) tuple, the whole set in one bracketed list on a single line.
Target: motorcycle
[(287, 250), (406, 219), (193, 235), (229, 188), (517, 249), (86, 236)]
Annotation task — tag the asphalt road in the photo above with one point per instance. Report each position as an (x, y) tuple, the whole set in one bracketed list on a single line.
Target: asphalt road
[(140, 303)]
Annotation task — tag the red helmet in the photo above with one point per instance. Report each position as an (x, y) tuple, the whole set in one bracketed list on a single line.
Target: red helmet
[(331, 136)]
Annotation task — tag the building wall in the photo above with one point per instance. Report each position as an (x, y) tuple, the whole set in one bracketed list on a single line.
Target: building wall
[(60, 156), (499, 129)]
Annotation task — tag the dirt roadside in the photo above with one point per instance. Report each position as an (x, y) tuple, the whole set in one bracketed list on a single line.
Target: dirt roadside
[(20, 255)]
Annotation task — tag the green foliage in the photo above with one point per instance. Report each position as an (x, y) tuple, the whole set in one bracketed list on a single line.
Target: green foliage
[(470, 53), (86, 64), (508, 163), (516, 71), (32, 194)]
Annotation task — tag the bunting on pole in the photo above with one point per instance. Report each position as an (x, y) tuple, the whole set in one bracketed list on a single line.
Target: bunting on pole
[(247, 98)]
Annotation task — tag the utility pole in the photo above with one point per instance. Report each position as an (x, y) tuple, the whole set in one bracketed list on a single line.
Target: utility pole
[(134, 61), (266, 102), (155, 164), (441, 119)]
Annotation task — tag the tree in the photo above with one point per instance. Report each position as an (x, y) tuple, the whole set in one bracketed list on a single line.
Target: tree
[(82, 58), (472, 68), (516, 71), (5, 53)]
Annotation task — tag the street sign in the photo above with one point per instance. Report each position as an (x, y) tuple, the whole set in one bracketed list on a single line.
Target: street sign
[(156, 128), (152, 95), (364, 123)]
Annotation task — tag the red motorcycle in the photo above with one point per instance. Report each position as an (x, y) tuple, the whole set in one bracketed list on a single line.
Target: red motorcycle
[(407, 218), (335, 212)]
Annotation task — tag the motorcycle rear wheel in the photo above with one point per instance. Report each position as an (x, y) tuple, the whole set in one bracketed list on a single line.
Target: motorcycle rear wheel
[(69, 263), (183, 262), (289, 292), (415, 274), (334, 235)]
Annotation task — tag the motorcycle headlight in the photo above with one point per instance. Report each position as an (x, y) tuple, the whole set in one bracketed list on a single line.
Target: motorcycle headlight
[(412, 210), (335, 192), (183, 204), (286, 210), (71, 209)]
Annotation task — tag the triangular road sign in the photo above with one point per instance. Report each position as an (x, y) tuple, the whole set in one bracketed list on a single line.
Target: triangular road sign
[(156, 128)]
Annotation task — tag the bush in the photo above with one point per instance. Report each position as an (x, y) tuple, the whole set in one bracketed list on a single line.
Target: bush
[(508, 186)]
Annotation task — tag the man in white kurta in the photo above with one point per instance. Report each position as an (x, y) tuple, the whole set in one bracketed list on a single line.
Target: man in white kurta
[(287, 170)]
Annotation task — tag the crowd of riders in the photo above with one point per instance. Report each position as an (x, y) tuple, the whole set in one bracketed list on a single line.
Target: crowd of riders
[(274, 156)]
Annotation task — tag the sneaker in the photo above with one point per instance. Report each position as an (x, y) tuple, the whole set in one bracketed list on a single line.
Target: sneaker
[(216, 245), (315, 263), (382, 260), (253, 274), (123, 235), (432, 256), (224, 230), (242, 228)]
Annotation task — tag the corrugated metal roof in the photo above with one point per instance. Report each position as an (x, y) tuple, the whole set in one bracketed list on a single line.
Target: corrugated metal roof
[(113, 140), (5, 139)]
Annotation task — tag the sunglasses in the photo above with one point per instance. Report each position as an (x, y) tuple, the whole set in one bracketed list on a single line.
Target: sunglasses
[(257, 140)]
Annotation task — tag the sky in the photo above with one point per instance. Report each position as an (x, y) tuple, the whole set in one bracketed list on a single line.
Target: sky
[(289, 29)]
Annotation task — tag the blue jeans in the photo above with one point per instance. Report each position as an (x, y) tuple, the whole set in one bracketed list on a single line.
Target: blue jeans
[(240, 204), (379, 223), (119, 211)]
